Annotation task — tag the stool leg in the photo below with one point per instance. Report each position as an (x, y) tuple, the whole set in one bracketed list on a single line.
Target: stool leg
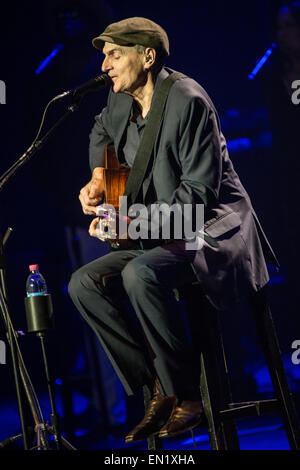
[(215, 386), (269, 342), (154, 442), (222, 434), (216, 436)]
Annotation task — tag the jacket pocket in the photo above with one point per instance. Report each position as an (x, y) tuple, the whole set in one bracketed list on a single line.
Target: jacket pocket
[(223, 224)]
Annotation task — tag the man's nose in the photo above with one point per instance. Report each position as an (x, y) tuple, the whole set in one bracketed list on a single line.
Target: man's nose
[(106, 65)]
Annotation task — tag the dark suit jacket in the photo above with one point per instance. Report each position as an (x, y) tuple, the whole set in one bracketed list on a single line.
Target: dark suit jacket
[(191, 165)]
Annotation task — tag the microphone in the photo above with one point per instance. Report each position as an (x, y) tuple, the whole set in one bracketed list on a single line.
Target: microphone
[(92, 85)]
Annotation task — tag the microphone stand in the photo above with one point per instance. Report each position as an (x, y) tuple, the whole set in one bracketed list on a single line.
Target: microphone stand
[(77, 94), (19, 370), (35, 147)]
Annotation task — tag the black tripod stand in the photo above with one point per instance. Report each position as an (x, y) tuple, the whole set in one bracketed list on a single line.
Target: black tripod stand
[(39, 318), (13, 343)]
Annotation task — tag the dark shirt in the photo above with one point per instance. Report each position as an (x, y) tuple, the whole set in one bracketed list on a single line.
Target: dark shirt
[(135, 129)]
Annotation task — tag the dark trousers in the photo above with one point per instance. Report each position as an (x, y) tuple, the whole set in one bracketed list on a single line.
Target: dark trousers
[(137, 319)]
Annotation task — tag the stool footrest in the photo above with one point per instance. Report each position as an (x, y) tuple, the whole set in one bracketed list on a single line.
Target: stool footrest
[(249, 408)]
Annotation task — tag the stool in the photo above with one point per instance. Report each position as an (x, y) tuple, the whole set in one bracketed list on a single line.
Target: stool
[(219, 409)]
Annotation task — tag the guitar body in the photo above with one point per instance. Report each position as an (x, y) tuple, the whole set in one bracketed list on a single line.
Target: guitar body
[(115, 178)]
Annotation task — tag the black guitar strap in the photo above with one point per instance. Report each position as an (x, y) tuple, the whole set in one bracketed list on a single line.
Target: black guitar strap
[(143, 155)]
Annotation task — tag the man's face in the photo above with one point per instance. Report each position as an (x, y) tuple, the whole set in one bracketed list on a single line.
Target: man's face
[(125, 66)]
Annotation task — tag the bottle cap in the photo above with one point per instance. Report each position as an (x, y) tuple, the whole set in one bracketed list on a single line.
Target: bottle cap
[(33, 267)]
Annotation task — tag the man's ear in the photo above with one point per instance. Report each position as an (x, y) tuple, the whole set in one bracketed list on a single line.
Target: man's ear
[(150, 55)]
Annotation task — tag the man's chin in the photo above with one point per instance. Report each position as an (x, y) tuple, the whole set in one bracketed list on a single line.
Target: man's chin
[(116, 89), (120, 90)]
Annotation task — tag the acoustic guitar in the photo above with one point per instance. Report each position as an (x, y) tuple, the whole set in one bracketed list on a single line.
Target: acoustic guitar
[(115, 178)]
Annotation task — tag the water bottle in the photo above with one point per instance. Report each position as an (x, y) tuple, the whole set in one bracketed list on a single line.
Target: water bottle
[(35, 284)]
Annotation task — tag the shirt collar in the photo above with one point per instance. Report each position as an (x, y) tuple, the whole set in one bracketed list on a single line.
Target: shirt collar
[(161, 76)]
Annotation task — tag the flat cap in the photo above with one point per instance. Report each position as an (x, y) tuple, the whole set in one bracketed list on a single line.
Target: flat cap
[(132, 31)]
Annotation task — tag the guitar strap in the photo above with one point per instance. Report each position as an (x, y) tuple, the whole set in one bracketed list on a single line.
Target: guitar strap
[(144, 152)]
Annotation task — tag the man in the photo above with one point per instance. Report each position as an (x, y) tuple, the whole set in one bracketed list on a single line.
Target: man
[(189, 166)]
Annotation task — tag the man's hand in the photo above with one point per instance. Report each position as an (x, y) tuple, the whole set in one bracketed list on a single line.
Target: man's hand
[(93, 228), (92, 193), (121, 239)]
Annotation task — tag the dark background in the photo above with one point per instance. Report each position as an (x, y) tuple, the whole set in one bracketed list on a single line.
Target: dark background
[(218, 44)]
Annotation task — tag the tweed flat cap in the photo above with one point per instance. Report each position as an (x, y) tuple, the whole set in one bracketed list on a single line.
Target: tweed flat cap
[(132, 31)]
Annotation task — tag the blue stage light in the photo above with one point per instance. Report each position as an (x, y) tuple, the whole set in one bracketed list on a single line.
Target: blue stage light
[(58, 48), (239, 145), (81, 403), (262, 61)]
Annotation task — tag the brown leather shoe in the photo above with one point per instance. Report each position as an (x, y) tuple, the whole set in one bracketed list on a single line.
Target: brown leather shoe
[(158, 412), (183, 418)]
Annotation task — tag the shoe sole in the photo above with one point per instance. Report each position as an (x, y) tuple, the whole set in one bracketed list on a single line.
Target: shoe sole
[(172, 434)]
